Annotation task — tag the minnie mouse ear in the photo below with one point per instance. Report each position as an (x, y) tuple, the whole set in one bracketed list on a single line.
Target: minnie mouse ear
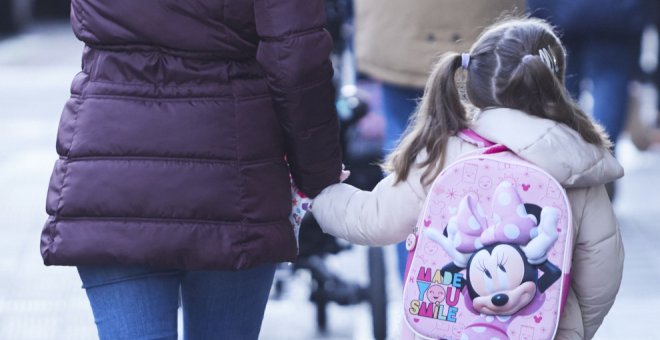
[(537, 249)]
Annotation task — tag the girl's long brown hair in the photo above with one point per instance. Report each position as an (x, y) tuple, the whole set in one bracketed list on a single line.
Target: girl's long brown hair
[(506, 69)]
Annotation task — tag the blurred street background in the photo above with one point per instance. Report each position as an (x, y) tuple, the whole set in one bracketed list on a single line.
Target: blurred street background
[(38, 302)]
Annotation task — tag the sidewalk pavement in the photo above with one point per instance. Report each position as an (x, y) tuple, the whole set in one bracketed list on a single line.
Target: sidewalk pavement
[(37, 302)]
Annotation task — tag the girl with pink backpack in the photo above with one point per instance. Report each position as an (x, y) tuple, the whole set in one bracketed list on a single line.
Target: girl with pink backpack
[(508, 90)]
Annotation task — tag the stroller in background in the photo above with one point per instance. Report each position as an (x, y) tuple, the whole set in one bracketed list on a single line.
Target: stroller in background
[(361, 155)]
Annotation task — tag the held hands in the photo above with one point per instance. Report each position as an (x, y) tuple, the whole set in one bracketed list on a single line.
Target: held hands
[(301, 204)]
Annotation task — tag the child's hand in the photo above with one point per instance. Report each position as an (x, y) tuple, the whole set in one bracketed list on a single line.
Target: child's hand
[(301, 204)]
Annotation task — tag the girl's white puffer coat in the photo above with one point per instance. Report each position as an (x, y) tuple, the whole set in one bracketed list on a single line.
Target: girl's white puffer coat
[(388, 214)]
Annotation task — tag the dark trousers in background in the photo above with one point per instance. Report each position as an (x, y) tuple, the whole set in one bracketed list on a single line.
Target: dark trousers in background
[(610, 64)]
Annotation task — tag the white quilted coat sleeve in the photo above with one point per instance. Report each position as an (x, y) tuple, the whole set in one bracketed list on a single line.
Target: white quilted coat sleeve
[(597, 262), (385, 215)]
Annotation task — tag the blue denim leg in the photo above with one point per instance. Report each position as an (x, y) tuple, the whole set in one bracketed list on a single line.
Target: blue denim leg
[(132, 302), (611, 64), (398, 104), (225, 305)]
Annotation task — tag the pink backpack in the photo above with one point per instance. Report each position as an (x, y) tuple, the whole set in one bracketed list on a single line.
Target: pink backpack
[(491, 253)]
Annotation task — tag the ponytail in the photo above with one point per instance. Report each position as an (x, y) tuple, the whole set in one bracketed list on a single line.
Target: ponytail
[(439, 115)]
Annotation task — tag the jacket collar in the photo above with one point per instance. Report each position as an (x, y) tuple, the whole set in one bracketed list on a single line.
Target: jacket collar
[(550, 145)]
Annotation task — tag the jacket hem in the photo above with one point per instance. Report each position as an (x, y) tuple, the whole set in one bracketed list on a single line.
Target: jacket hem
[(187, 245)]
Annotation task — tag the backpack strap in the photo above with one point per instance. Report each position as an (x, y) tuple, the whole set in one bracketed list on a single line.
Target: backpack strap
[(496, 149), (472, 137)]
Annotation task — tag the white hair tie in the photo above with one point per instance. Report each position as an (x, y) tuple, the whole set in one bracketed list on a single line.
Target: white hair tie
[(465, 60)]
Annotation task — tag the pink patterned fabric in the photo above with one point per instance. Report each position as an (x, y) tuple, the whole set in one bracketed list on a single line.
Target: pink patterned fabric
[(509, 222), (300, 204)]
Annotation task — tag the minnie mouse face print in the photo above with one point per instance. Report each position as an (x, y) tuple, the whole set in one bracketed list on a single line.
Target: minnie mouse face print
[(500, 280), (502, 252)]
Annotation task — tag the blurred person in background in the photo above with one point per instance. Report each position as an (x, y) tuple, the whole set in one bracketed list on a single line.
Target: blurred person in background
[(398, 41), (172, 181), (603, 41), (602, 38), (643, 125)]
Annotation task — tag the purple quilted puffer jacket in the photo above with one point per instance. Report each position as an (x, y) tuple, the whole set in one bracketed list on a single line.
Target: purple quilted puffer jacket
[(172, 146)]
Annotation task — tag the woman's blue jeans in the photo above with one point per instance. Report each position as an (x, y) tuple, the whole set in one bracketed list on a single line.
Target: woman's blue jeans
[(137, 302)]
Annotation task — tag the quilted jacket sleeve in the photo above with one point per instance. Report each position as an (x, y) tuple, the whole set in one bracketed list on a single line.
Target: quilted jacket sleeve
[(383, 216), (294, 51), (597, 260)]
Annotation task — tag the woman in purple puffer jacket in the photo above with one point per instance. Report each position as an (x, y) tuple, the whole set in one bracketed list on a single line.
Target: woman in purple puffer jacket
[(172, 174)]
